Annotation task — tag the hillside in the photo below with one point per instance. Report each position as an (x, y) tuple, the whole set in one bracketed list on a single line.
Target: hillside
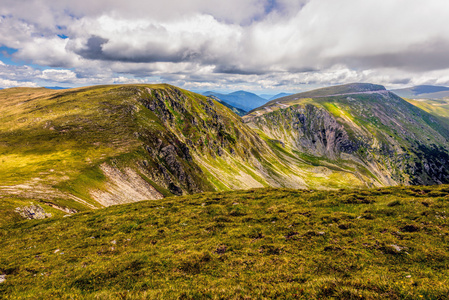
[(438, 108), (359, 127), (389, 243), (97, 146), (352, 88)]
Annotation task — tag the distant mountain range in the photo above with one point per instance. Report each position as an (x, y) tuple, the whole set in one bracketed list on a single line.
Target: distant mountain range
[(237, 111), (55, 87), (244, 100), (270, 97), (423, 92), (240, 99)]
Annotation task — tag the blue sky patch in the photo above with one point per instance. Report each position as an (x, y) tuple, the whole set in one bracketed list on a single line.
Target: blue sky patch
[(5, 55)]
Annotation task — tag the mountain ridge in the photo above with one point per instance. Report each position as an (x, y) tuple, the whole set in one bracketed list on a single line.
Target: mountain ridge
[(240, 99), (91, 147), (350, 120)]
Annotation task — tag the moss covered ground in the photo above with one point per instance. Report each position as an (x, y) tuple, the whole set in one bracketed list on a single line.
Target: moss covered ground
[(389, 243)]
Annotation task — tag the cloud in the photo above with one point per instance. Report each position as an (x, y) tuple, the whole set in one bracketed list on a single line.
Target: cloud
[(58, 75), (19, 73), (263, 43), (6, 83)]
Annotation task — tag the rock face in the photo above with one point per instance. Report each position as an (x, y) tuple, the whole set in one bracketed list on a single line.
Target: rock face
[(372, 130), (193, 130), (310, 130)]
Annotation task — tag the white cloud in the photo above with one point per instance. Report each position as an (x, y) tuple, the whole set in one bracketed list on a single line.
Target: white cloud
[(6, 83), (58, 75)]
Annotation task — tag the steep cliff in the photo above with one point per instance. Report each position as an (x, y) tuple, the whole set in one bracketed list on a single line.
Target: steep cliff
[(369, 129)]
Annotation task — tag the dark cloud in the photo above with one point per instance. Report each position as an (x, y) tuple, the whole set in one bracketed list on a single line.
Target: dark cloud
[(240, 70), (401, 81), (93, 48)]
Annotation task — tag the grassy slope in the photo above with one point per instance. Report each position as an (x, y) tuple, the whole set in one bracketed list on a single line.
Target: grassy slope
[(439, 108), (59, 138), (56, 136), (264, 243), (333, 90)]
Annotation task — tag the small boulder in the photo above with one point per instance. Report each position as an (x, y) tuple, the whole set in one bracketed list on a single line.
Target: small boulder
[(221, 249), (410, 228), (32, 212), (392, 249), (343, 226)]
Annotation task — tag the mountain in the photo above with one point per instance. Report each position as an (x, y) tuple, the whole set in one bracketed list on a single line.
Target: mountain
[(359, 127), (423, 92), (97, 146), (266, 96), (240, 99), (237, 111), (352, 88), (56, 87), (280, 95), (387, 243), (87, 148), (270, 97)]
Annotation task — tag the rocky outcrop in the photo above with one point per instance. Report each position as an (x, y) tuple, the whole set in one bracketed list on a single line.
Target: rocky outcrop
[(198, 127), (32, 212), (310, 129)]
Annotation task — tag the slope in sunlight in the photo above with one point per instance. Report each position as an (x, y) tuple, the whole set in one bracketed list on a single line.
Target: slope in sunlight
[(85, 148), (388, 243), (98, 146)]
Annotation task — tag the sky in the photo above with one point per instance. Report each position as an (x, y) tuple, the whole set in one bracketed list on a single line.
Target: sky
[(263, 46)]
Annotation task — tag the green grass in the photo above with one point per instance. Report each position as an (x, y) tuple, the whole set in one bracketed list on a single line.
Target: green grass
[(389, 243)]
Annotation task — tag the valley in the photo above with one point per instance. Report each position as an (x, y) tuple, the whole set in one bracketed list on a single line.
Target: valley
[(86, 148)]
